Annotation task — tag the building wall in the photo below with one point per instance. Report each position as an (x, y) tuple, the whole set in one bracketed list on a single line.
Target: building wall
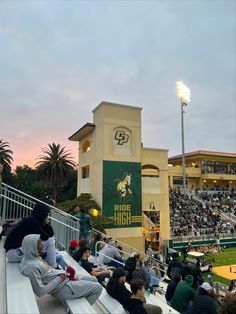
[(158, 158), (109, 119)]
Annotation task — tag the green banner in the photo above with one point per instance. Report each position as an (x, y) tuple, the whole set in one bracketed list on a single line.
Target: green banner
[(122, 195)]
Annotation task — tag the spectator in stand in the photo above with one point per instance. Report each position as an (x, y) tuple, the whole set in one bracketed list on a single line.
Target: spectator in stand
[(203, 301), (141, 273), (108, 254), (116, 286), (92, 269), (155, 276), (174, 266), (171, 287), (37, 223), (130, 265), (135, 304), (74, 244), (46, 280), (84, 222), (77, 254), (190, 269), (117, 290), (183, 296)]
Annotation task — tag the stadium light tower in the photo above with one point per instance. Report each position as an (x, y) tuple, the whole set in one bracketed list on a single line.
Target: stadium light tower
[(184, 93)]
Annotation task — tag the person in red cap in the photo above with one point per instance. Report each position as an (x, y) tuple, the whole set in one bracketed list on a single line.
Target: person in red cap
[(74, 244)]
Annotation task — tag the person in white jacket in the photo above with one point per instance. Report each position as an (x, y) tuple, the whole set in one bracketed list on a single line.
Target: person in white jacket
[(47, 280)]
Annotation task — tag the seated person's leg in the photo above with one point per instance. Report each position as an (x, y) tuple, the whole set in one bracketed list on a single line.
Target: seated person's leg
[(60, 260), (49, 249), (79, 289)]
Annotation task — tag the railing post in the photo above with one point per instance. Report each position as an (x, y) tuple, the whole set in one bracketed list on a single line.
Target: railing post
[(4, 203)]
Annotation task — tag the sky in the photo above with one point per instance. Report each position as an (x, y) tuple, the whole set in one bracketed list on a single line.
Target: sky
[(60, 59)]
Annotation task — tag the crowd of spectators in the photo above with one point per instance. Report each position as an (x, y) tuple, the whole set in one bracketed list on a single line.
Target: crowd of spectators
[(197, 217), (220, 201)]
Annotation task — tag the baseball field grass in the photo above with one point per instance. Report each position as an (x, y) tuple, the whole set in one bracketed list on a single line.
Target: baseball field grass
[(227, 257)]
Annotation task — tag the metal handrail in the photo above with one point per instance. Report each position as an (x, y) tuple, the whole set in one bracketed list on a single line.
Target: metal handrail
[(6, 186)]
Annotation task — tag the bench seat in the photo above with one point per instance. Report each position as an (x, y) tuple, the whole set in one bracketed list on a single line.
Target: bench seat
[(105, 301), (80, 305), (20, 295)]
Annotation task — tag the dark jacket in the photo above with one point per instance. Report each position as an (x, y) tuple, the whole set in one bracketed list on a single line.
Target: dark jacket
[(134, 306), (77, 255), (203, 303), (118, 292), (174, 267), (130, 265), (171, 290), (33, 224)]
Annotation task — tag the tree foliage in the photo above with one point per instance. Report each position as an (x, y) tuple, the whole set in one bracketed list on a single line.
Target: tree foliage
[(27, 180), (55, 167), (5, 158), (86, 201)]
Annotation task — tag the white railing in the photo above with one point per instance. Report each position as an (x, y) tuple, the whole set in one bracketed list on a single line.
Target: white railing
[(15, 205)]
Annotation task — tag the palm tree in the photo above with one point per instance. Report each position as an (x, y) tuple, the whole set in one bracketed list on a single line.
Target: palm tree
[(5, 154), (55, 166)]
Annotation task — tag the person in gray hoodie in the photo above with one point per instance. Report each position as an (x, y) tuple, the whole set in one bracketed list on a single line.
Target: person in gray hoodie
[(47, 280)]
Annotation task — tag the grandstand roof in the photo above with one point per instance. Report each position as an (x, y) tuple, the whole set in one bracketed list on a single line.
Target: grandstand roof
[(82, 132), (205, 153)]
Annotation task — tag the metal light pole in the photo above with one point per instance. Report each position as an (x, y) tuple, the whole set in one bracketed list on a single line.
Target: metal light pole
[(184, 93)]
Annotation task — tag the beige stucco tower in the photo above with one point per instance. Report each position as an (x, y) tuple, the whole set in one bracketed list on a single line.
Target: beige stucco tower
[(122, 176)]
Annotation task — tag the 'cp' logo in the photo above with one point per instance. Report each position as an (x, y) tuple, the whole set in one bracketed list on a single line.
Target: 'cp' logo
[(121, 137)]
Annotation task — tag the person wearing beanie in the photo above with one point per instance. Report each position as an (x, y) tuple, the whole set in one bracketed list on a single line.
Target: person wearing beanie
[(36, 223), (203, 301), (116, 286), (183, 296)]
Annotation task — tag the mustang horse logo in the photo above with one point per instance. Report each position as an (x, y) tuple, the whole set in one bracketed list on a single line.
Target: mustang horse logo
[(123, 187)]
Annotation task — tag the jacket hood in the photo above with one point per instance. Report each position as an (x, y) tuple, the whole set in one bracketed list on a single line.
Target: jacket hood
[(29, 247), (189, 280), (40, 211)]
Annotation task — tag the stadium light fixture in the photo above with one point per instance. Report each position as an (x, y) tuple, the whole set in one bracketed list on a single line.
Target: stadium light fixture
[(184, 93)]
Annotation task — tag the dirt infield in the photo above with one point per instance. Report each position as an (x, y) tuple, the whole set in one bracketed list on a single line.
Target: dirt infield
[(224, 271)]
